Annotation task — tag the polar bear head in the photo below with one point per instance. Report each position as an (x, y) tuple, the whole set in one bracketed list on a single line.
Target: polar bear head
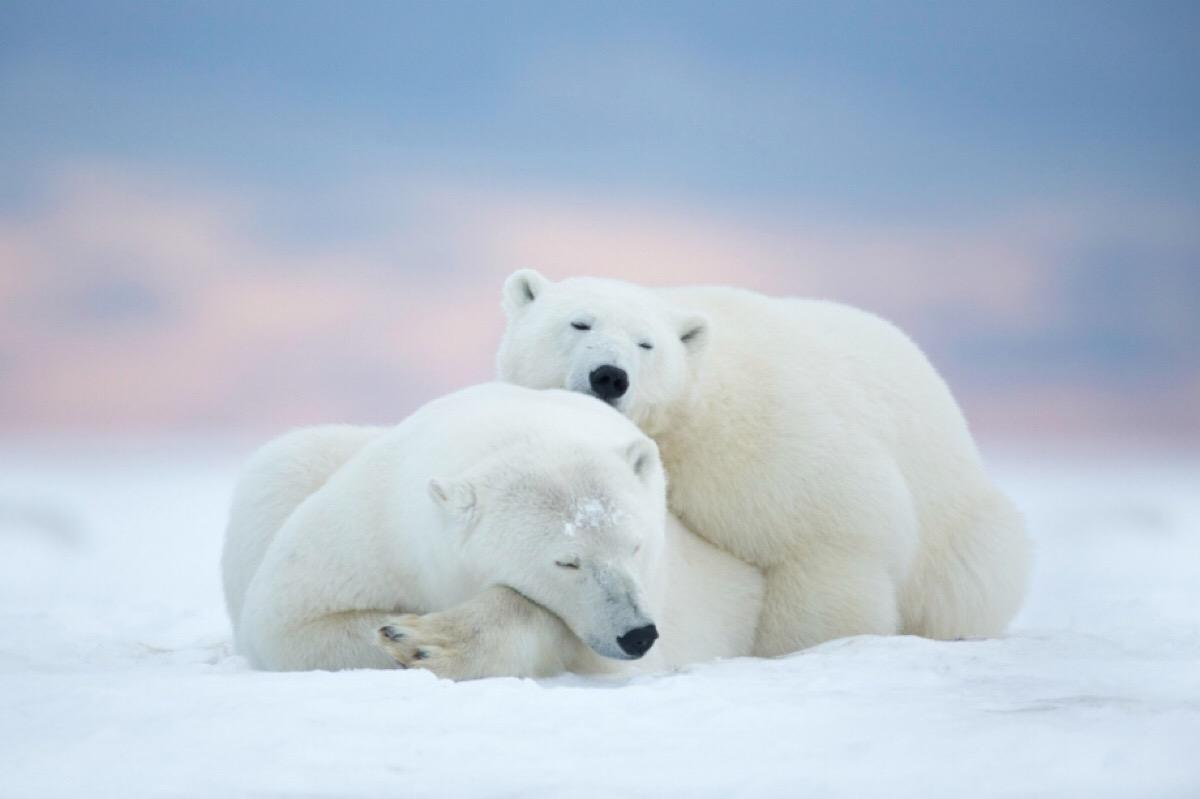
[(578, 529), (613, 340)]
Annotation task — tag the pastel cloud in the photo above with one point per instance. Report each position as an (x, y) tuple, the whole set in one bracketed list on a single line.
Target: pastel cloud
[(138, 301)]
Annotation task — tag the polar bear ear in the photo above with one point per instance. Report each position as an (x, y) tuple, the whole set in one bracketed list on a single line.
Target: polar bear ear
[(693, 331), (455, 497), (642, 457), (522, 288)]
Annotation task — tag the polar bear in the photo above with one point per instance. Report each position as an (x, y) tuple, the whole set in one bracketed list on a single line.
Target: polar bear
[(808, 438), (498, 531)]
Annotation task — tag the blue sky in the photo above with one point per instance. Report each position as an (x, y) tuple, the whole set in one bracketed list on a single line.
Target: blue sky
[(884, 108), (1064, 130)]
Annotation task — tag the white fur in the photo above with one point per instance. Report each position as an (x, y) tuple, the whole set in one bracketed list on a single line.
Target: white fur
[(808, 438), (440, 544)]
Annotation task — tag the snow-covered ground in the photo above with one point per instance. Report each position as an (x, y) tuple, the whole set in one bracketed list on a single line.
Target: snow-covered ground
[(116, 676)]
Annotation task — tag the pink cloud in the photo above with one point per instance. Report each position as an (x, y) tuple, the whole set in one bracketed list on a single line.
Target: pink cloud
[(256, 330)]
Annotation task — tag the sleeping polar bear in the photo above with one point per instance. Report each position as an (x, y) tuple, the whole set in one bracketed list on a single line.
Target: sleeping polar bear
[(498, 531), (808, 438)]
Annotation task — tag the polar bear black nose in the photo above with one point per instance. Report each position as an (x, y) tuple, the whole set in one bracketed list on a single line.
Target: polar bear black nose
[(609, 382), (638, 641)]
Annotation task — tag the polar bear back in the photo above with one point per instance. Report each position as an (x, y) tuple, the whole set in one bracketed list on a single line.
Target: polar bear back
[(832, 379)]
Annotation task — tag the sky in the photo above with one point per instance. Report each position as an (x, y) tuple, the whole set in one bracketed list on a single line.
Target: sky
[(246, 216)]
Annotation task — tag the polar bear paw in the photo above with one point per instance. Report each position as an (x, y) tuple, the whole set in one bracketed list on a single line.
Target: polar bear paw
[(426, 642)]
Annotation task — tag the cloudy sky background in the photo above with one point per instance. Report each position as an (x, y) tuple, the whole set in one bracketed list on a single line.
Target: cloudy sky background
[(246, 216)]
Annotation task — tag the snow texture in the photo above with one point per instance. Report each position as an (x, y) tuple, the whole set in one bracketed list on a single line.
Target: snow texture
[(117, 680)]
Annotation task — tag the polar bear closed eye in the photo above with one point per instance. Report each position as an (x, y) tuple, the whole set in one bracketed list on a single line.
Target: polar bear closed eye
[(811, 439)]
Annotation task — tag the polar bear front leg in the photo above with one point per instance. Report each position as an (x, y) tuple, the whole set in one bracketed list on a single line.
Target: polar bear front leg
[(497, 633), (810, 601)]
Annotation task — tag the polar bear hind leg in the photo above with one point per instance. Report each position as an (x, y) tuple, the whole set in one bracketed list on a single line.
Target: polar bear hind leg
[(842, 577), (277, 479), (970, 583), (808, 602)]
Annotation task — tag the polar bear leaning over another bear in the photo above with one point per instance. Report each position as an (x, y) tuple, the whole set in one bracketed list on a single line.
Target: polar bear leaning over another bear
[(808, 438), (498, 531)]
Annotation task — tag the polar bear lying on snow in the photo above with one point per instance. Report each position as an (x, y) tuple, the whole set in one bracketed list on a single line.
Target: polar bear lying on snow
[(810, 439), (497, 531)]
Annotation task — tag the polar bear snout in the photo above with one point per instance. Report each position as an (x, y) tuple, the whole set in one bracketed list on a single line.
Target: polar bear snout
[(638, 641), (609, 382)]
